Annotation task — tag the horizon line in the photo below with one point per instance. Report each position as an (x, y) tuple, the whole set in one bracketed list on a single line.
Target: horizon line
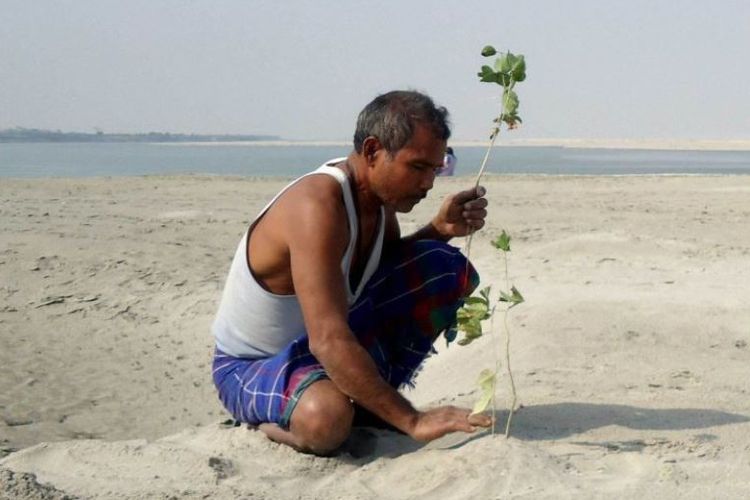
[(579, 143)]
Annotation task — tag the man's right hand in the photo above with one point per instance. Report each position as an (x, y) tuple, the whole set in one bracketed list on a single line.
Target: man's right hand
[(436, 423)]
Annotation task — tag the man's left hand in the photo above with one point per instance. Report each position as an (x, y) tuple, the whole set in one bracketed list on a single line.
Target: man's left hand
[(461, 213)]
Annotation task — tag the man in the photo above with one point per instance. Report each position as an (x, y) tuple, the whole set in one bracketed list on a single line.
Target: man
[(327, 309)]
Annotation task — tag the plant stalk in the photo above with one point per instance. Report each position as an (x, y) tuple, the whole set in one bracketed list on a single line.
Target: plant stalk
[(497, 370), (507, 351), (495, 134), (510, 375)]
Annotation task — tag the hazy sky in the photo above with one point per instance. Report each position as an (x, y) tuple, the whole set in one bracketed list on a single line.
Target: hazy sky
[(304, 69)]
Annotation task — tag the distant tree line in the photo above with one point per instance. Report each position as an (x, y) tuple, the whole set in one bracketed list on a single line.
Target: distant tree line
[(37, 135)]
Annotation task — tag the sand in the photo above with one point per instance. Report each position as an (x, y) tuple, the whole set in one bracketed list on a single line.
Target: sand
[(631, 355)]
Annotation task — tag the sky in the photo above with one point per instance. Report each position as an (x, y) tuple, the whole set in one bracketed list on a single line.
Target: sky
[(304, 69)]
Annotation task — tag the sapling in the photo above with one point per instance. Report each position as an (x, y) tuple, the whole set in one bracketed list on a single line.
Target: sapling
[(508, 70)]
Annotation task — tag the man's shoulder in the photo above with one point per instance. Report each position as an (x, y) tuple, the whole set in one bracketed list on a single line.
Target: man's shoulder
[(319, 189), (313, 198)]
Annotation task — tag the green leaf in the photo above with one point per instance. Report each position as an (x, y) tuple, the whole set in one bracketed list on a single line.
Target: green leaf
[(487, 75), (503, 64), (472, 332), (518, 68), (487, 380), (488, 51), (474, 310), (472, 327), (510, 102), (517, 297), (475, 300), (511, 59), (502, 242), (470, 316), (513, 298)]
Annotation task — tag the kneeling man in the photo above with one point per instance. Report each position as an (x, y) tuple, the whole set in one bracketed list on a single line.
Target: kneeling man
[(328, 309)]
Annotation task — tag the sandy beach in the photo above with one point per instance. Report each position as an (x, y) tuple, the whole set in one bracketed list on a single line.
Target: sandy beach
[(631, 356)]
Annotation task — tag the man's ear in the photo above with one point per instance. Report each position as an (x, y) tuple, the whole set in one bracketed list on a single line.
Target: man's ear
[(370, 148)]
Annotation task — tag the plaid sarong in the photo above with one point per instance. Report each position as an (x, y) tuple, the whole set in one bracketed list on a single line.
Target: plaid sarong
[(408, 302)]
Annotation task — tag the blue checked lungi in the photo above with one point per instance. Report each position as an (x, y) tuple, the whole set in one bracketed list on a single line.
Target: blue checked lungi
[(408, 302)]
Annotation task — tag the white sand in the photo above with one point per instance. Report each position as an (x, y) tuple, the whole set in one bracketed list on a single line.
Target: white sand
[(631, 355)]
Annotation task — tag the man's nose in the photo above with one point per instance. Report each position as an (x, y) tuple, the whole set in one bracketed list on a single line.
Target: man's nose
[(428, 179)]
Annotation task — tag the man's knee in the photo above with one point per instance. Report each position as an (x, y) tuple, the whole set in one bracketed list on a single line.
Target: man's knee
[(322, 419)]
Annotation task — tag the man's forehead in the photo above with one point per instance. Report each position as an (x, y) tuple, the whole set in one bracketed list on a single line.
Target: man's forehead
[(425, 139), (425, 155)]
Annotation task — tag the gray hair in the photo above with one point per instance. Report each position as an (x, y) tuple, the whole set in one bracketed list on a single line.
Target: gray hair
[(392, 118)]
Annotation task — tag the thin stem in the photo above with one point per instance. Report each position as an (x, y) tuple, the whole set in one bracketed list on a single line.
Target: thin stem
[(497, 370), (495, 131), (495, 134), (510, 374), (507, 351)]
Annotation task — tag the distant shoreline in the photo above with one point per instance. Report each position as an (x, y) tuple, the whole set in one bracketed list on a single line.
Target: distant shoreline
[(31, 136), (39, 136), (650, 144), (645, 144)]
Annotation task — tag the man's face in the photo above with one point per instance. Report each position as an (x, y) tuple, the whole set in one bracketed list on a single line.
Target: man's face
[(404, 180)]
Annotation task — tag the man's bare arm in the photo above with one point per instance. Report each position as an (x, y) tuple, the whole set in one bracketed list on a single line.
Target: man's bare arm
[(317, 244)]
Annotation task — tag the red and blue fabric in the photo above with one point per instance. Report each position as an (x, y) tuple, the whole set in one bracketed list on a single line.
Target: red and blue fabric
[(410, 300)]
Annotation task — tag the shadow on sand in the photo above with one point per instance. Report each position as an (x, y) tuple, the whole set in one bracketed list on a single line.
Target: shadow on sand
[(549, 422), (559, 420)]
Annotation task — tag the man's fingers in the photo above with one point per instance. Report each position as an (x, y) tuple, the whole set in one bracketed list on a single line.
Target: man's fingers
[(479, 420), (464, 425), (474, 209), (479, 213), (478, 204), (469, 422), (474, 218), (443, 420), (473, 422), (467, 428), (470, 194)]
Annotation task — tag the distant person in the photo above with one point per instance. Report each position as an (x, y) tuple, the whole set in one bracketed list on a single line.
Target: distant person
[(328, 309), (449, 163)]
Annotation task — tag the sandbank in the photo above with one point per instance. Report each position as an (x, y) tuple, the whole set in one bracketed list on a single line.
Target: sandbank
[(630, 355)]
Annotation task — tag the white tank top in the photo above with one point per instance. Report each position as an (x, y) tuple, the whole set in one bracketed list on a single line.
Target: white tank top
[(255, 323)]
